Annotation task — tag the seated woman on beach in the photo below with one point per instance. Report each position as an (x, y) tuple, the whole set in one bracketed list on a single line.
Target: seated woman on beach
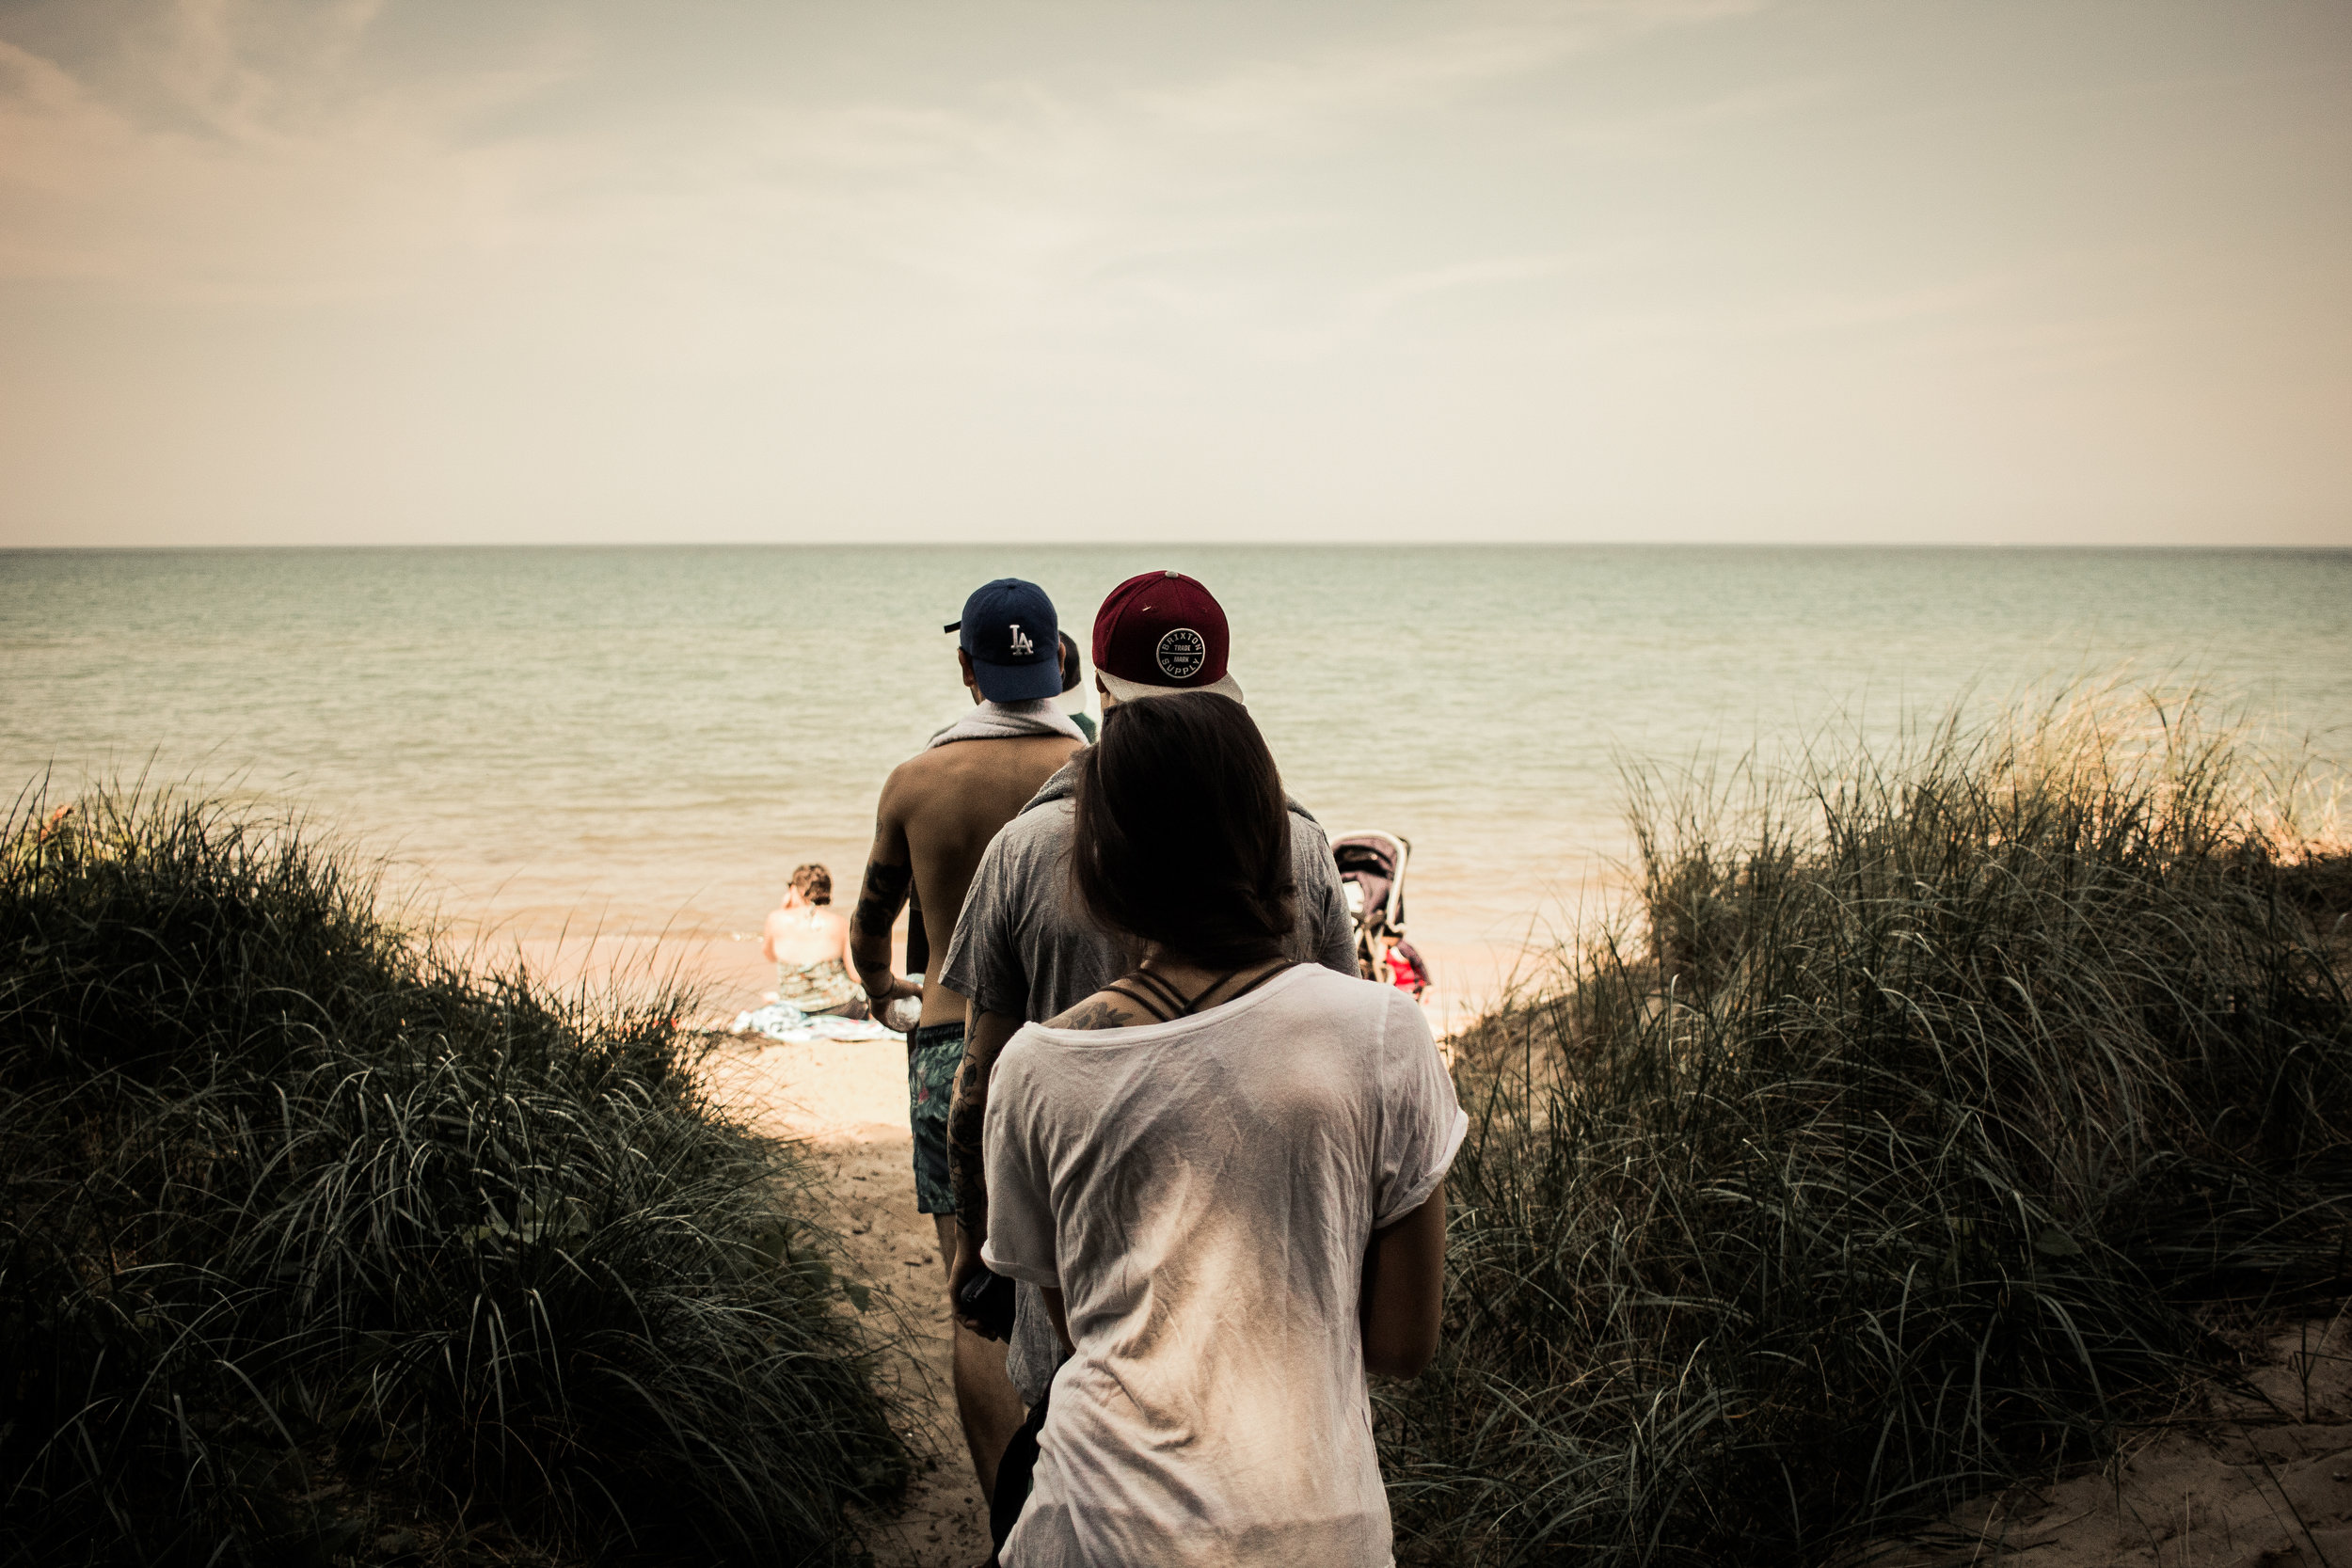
[(1226, 1171), (808, 942)]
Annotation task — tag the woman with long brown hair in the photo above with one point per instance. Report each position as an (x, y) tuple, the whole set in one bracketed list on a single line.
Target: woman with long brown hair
[(1226, 1171)]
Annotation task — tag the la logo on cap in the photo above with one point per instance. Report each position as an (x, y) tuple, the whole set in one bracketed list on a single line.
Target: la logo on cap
[(1004, 624), (1181, 653)]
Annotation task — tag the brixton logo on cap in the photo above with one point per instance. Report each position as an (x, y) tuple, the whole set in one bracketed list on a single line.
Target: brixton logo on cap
[(1181, 653)]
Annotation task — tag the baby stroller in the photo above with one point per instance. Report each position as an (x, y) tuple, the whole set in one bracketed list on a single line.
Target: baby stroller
[(1371, 879)]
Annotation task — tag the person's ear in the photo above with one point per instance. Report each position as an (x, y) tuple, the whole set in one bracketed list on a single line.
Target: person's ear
[(963, 662), (1109, 702)]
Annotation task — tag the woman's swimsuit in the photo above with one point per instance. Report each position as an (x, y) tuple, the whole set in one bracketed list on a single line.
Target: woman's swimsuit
[(823, 987)]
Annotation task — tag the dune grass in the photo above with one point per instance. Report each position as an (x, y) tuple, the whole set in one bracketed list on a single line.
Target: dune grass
[(315, 1246), (1934, 1116)]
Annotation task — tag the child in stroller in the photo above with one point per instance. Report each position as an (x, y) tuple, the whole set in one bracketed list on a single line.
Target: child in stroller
[(1371, 879)]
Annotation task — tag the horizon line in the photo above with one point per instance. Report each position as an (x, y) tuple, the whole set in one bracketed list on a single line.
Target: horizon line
[(1382, 545)]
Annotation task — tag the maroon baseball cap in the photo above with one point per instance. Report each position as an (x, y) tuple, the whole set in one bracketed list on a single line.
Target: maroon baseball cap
[(1159, 634)]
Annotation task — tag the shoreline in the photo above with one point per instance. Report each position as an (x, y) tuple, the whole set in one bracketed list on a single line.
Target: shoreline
[(724, 973)]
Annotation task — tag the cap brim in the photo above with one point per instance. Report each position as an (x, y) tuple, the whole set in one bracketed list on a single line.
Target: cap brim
[(1018, 683), (1128, 691)]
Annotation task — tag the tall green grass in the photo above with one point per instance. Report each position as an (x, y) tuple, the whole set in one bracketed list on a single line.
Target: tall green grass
[(311, 1239), (1935, 1116)]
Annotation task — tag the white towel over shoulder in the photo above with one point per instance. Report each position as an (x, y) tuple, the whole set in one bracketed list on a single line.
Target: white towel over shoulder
[(1008, 722)]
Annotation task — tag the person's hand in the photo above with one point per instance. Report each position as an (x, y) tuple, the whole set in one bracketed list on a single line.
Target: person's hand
[(893, 987), (967, 1265), (898, 988)]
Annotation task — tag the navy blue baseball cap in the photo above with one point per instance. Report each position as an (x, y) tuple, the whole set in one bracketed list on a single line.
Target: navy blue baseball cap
[(1010, 629)]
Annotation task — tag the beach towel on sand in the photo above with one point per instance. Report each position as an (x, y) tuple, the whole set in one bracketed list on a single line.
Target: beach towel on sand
[(781, 1021), (1008, 722)]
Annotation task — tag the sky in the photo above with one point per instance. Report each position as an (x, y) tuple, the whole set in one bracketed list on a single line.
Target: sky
[(1883, 271)]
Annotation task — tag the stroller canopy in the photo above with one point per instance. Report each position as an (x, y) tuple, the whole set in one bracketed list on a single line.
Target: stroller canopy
[(1373, 862)]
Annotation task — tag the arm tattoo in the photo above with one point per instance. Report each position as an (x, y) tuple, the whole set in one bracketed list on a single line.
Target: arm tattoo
[(878, 904), (883, 894), (967, 1111)]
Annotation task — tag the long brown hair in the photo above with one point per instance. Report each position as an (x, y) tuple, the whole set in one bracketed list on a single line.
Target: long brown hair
[(1182, 835)]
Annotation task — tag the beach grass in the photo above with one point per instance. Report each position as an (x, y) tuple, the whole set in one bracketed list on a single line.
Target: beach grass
[(1933, 1117), (316, 1246)]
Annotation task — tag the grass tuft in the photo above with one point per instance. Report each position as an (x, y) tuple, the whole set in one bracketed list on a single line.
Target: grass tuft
[(1936, 1116), (314, 1246)]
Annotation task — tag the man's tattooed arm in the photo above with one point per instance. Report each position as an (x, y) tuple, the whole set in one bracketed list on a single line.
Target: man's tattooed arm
[(967, 1114), (967, 1110), (878, 904)]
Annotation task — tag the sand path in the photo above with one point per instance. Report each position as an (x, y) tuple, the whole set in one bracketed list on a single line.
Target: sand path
[(847, 1104)]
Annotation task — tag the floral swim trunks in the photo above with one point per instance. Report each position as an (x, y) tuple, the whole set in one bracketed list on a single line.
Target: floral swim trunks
[(933, 1054)]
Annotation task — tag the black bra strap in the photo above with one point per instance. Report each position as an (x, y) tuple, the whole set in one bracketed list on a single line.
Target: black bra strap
[(1150, 1005), (1161, 987), (1168, 1004), (1282, 968)]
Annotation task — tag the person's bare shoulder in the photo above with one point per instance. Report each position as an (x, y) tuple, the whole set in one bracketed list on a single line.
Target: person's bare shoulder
[(913, 784), (1048, 752), (947, 773)]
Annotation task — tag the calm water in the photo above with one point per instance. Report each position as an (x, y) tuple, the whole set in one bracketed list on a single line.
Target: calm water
[(634, 740)]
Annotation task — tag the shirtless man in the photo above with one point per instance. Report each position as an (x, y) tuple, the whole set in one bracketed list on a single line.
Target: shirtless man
[(938, 811), (808, 942)]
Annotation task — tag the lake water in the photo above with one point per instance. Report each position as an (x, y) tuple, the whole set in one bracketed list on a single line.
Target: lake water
[(635, 742)]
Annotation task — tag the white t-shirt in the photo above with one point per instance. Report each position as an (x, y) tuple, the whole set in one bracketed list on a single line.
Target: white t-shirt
[(1202, 1192)]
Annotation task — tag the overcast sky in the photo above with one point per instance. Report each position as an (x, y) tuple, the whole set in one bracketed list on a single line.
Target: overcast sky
[(442, 270)]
